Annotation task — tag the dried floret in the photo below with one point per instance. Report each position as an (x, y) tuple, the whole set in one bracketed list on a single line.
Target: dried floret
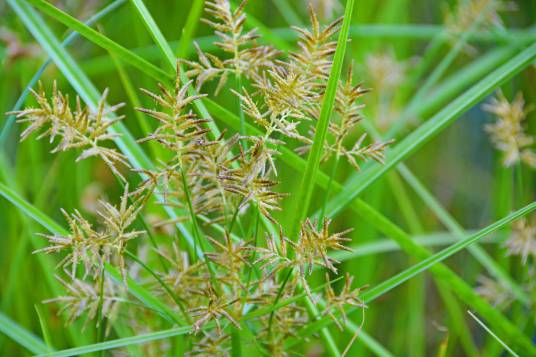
[(337, 303), (215, 308), (85, 298), (211, 345), (348, 110), (249, 178), (93, 248), (314, 243), (508, 132), (522, 241), (80, 128), (180, 130), (317, 48), (494, 291)]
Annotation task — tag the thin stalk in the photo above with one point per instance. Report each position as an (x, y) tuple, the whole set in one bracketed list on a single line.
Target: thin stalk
[(488, 330), (328, 189), (189, 28), (305, 191), (166, 287), (100, 317)]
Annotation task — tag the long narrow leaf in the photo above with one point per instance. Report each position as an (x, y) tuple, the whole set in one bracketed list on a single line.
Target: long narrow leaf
[(444, 254), (137, 290), (305, 191), (22, 336), (431, 128)]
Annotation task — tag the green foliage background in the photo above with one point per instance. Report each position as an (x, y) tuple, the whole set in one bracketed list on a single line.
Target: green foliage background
[(468, 186)]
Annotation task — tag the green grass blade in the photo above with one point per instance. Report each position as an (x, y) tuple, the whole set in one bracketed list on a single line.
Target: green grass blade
[(44, 328), (22, 336), (96, 37), (444, 254), (31, 211), (488, 330), (431, 128), (121, 342), (186, 39), (384, 245), (305, 190), (288, 13), (137, 290), (453, 282), (155, 32), (480, 254)]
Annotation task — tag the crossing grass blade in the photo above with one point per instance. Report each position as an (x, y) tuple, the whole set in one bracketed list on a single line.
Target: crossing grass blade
[(91, 35), (155, 33), (451, 280), (304, 193), (488, 330), (430, 129), (189, 28), (445, 253), (478, 252), (22, 336), (135, 289)]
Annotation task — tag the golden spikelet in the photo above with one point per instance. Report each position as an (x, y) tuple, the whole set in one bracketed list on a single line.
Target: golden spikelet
[(80, 128)]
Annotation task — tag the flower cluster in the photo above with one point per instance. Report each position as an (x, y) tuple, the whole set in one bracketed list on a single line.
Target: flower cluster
[(78, 129), (214, 276), (508, 132)]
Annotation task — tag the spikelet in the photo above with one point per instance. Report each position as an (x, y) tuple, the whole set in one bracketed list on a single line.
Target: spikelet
[(211, 345), (494, 291), (84, 298), (215, 308), (290, 92), (317, 48), (508, 133), (247, 57), (522, 241), (309, 251), (314, 243), (337, 303), (93, 248), (185, 278), (462, 17), (249, 178), (194, 154), (348, 110), (80, 128), (179, 130), (232, 258)]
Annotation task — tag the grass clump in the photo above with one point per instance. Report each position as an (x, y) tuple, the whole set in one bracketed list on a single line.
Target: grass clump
[(229, 238)]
